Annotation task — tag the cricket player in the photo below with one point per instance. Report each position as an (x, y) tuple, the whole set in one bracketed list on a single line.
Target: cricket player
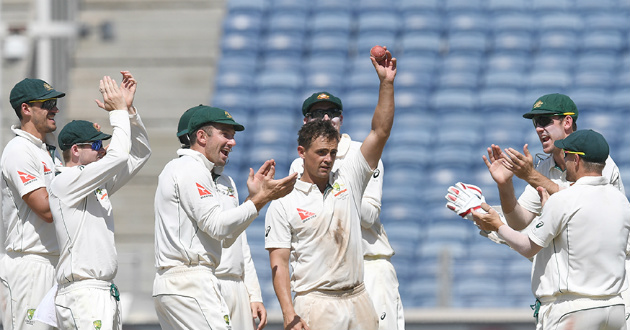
[(236, 274), (87, 297), (579, 241), (380, 277), (28, 164), (197, 215), (317, 227)]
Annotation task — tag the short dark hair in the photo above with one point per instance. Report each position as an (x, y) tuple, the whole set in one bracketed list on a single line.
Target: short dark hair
[(314, 129), (594, 166)]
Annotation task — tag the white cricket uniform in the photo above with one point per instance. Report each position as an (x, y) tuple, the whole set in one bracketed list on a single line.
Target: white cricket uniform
[(530, 200), (27, 269), (236, 273), (380, 277), (323, 232), (584, 233), (195, 217), (80, 204)]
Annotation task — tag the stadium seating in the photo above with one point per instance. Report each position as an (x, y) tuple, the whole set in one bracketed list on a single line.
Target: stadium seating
[(468, 70)]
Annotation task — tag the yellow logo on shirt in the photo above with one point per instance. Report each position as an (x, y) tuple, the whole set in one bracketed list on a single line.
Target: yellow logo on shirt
[(97, 324)]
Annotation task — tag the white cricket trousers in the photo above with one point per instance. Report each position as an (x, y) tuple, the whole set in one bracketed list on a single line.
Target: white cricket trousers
[(381, 284), (25, 279), (235, 294), (340, 310), (571, 312), (188, 297), (88, 305)]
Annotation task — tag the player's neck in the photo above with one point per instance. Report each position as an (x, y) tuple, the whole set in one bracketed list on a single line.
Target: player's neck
[(320, 183)]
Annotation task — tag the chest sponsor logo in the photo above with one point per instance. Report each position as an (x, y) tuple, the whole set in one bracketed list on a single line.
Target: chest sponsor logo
[(305, 215), (26, 178), (203, 192), (46, 169), (338, 189)]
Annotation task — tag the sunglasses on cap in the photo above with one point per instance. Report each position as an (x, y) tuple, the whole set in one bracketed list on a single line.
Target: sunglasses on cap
[(545, 120), (47, 104), (95, 145), (320, 113)]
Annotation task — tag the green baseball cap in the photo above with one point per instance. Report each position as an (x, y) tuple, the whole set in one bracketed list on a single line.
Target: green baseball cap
[(553, 104), (587, 143), (32, 90), (80, 131), (320, 97), (182, 127), (204, 115)]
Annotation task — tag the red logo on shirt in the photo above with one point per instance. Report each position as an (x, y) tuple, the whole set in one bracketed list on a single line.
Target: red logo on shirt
[(305, 215), (203, 192), (25, 177), (46, 169)]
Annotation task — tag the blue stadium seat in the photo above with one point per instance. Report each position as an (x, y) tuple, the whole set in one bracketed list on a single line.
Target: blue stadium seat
[(555, 60), (289, 81), (462, 62), (448, 231), (607, 20), (249, 23), (506, 61), (455, 79), (467, 42), (286, 21), (411, 80), (594, 79), (623, 79), (232, 100), (328, 81), (278, 100), (329, 43), (420, 43), (453, 100), (506, 79), (293, 6), (400, 193), (280, 62), (226, 79), (362, 81), (513, 41), (333, 6), (283, 43), (245, 6), (436, 248), (325, 63), (419, 63), (414, 6), (468, 21), (558, 40), (513, 22), (553, 79), (561, 22), (410, 136), (607, 62), (422, 21), (545, 6), (374, 6), (603, 40), (326, 21), (509, 6), (361, 101), (378, 21), (500, 99), (589, 6), (241, 44), (412, 99), (415, 156), (468, 6), (243, 63)]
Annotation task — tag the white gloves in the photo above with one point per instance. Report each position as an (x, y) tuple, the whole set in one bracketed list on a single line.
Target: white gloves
[(463, 198)]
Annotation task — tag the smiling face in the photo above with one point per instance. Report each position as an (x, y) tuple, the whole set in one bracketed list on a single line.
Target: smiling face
[(219, 141), (42, 115)]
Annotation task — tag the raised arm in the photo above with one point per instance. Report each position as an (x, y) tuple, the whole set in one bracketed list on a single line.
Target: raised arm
[(383, 117)]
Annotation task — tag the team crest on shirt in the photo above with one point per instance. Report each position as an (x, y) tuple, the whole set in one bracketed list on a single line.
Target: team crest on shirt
[(305, 215), (46, 169), (26, 178), (29, 316), (339, 190), (203, 191), (97, 324)]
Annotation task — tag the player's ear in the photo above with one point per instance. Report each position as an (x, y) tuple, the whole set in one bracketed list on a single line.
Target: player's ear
[(301, 151), (340, 120)]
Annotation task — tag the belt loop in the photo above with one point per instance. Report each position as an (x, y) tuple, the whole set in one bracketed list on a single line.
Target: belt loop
[(113, 290), (536, 308)]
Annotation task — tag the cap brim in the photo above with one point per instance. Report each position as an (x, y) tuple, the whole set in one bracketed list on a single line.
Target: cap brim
[(539, 112), (53, 94), (101, 136)]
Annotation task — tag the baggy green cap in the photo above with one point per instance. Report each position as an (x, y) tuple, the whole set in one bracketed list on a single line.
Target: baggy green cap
[(182, 127), (320, 97), (32, 90), (587, 143), (80, 131), (553, 104), (205, 115)]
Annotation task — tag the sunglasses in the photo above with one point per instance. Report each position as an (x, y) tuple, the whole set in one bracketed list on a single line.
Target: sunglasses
[(545, 120), (95, 145), (47, 104), (320, 113)]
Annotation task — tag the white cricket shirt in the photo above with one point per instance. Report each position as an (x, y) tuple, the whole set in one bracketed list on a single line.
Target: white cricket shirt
[(323, 231), (584, 232), (193, 216), (375, 242), (27, 165), (80, 204)]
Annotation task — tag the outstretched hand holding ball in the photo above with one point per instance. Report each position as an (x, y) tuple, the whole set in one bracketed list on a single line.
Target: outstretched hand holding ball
[(379, 53)]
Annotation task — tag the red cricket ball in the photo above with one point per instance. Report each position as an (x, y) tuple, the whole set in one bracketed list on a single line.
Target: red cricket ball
[(378, 53)]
